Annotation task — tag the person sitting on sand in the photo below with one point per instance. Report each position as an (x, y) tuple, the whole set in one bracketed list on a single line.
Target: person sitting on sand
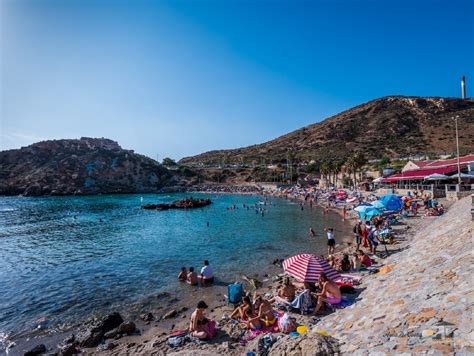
[(264, 311), (253, 320), (207, 273), (331, 261), (287, 291), (239, 312), (183, 275), (364, 259), (198, 327), (330, 292), (356, 262), (345, 264), (192, 277)]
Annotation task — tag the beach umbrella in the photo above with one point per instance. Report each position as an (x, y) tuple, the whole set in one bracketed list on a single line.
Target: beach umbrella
[(362, 208), (307, 267), (369, 213), (378, 204), (463, 175), (392, 202)]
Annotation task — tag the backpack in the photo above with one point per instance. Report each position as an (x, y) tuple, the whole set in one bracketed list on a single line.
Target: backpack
[(235, 292)]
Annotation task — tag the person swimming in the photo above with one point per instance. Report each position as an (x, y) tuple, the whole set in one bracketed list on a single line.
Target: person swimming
[(192, 278)]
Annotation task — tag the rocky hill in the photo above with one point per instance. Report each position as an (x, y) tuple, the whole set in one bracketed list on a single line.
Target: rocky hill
[(395, 126), (84, 166)]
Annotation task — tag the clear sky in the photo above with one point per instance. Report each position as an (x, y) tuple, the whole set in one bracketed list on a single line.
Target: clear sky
[(176, 78)]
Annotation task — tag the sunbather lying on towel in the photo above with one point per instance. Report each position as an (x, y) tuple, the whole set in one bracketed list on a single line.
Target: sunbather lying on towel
[(330, 292)]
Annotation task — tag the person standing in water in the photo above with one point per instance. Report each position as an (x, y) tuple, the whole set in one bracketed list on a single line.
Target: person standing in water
[(331, 240)]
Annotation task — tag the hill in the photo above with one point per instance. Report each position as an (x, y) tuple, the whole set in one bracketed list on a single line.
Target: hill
[(84, 166), (393, 126)]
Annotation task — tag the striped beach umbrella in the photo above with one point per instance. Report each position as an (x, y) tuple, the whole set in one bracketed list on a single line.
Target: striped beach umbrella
[(307, 267)]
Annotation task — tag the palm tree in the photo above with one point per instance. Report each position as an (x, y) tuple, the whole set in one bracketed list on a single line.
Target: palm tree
[(351, 165)]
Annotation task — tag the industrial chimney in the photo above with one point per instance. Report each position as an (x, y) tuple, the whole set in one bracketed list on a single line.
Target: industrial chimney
[(463, 87)]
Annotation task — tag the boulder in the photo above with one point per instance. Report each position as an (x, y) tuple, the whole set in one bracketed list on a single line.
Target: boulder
[(127, 327), (91, 335), (37, 350), (313, 344), (171, 314), (147, 317)]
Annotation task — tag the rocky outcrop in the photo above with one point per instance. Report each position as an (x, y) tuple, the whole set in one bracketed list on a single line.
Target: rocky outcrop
[(188, 203), (393, 126), (305, 345), (84, 166)]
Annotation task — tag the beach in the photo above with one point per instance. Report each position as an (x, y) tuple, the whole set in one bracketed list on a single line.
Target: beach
[(126, 282), (346, 328)]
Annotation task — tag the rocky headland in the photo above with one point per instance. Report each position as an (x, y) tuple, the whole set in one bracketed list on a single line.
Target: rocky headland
[(82, 166)]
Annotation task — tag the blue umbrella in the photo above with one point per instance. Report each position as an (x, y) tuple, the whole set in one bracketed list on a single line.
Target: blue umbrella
[(392, 202), (378, 204), (370, 213), (364, 203)]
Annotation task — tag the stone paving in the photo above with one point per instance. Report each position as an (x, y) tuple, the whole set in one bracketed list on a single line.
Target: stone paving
[(424, 304)]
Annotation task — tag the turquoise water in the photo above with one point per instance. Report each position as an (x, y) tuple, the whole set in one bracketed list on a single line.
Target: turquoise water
[(60, 264)]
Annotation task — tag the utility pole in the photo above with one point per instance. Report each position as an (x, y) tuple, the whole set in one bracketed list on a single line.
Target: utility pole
[(457, 148)]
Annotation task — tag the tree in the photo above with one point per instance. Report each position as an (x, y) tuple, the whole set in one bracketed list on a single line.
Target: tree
[(168, 162)]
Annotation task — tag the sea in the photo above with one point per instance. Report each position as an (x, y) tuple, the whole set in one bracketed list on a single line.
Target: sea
[(64, 259)]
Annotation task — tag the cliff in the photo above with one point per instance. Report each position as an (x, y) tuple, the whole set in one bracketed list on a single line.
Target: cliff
[(84, 166), (394, 126)]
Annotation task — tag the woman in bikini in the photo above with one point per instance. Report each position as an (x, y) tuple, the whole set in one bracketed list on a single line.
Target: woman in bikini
[(264, 311), (198, 326), (330, 292), (240, 311), (288, 291)]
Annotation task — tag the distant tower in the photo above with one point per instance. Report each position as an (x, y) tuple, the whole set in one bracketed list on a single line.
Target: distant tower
[(463, 87)]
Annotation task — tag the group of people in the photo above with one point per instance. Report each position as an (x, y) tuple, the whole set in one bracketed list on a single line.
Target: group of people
[(192, 278), (348, 263)]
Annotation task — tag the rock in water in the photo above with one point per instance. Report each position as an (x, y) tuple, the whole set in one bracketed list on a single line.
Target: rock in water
[(37, 350), (188, 203)]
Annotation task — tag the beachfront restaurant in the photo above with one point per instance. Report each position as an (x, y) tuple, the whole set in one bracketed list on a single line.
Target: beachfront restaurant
[(439, 181)]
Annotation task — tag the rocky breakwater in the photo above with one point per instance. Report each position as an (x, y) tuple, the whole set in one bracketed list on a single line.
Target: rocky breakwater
[(188, 203), (424, 304), (84, 166)]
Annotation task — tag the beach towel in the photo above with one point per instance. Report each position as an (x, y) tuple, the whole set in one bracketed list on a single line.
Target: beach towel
[(302, 302)]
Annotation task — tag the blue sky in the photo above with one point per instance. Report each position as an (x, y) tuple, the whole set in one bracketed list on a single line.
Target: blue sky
[(176, 78)]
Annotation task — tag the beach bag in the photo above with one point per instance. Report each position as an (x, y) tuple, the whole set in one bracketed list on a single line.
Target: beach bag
[(286, 324), (211, 328), (235, 292), (176, 341)]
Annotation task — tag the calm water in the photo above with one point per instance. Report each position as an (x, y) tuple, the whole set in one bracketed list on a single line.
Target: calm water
[(59, 263)]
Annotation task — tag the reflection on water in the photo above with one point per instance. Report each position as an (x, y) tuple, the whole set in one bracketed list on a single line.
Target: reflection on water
[(59, 263)]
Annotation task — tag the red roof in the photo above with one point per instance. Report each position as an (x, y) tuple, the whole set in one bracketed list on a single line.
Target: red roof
[(420, 174), (448, 162)]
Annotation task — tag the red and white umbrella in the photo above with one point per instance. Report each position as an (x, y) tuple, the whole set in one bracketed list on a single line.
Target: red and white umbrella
[(307, 267)]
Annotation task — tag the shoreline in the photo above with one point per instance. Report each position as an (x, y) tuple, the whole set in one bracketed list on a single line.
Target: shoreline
[(173, 299)]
